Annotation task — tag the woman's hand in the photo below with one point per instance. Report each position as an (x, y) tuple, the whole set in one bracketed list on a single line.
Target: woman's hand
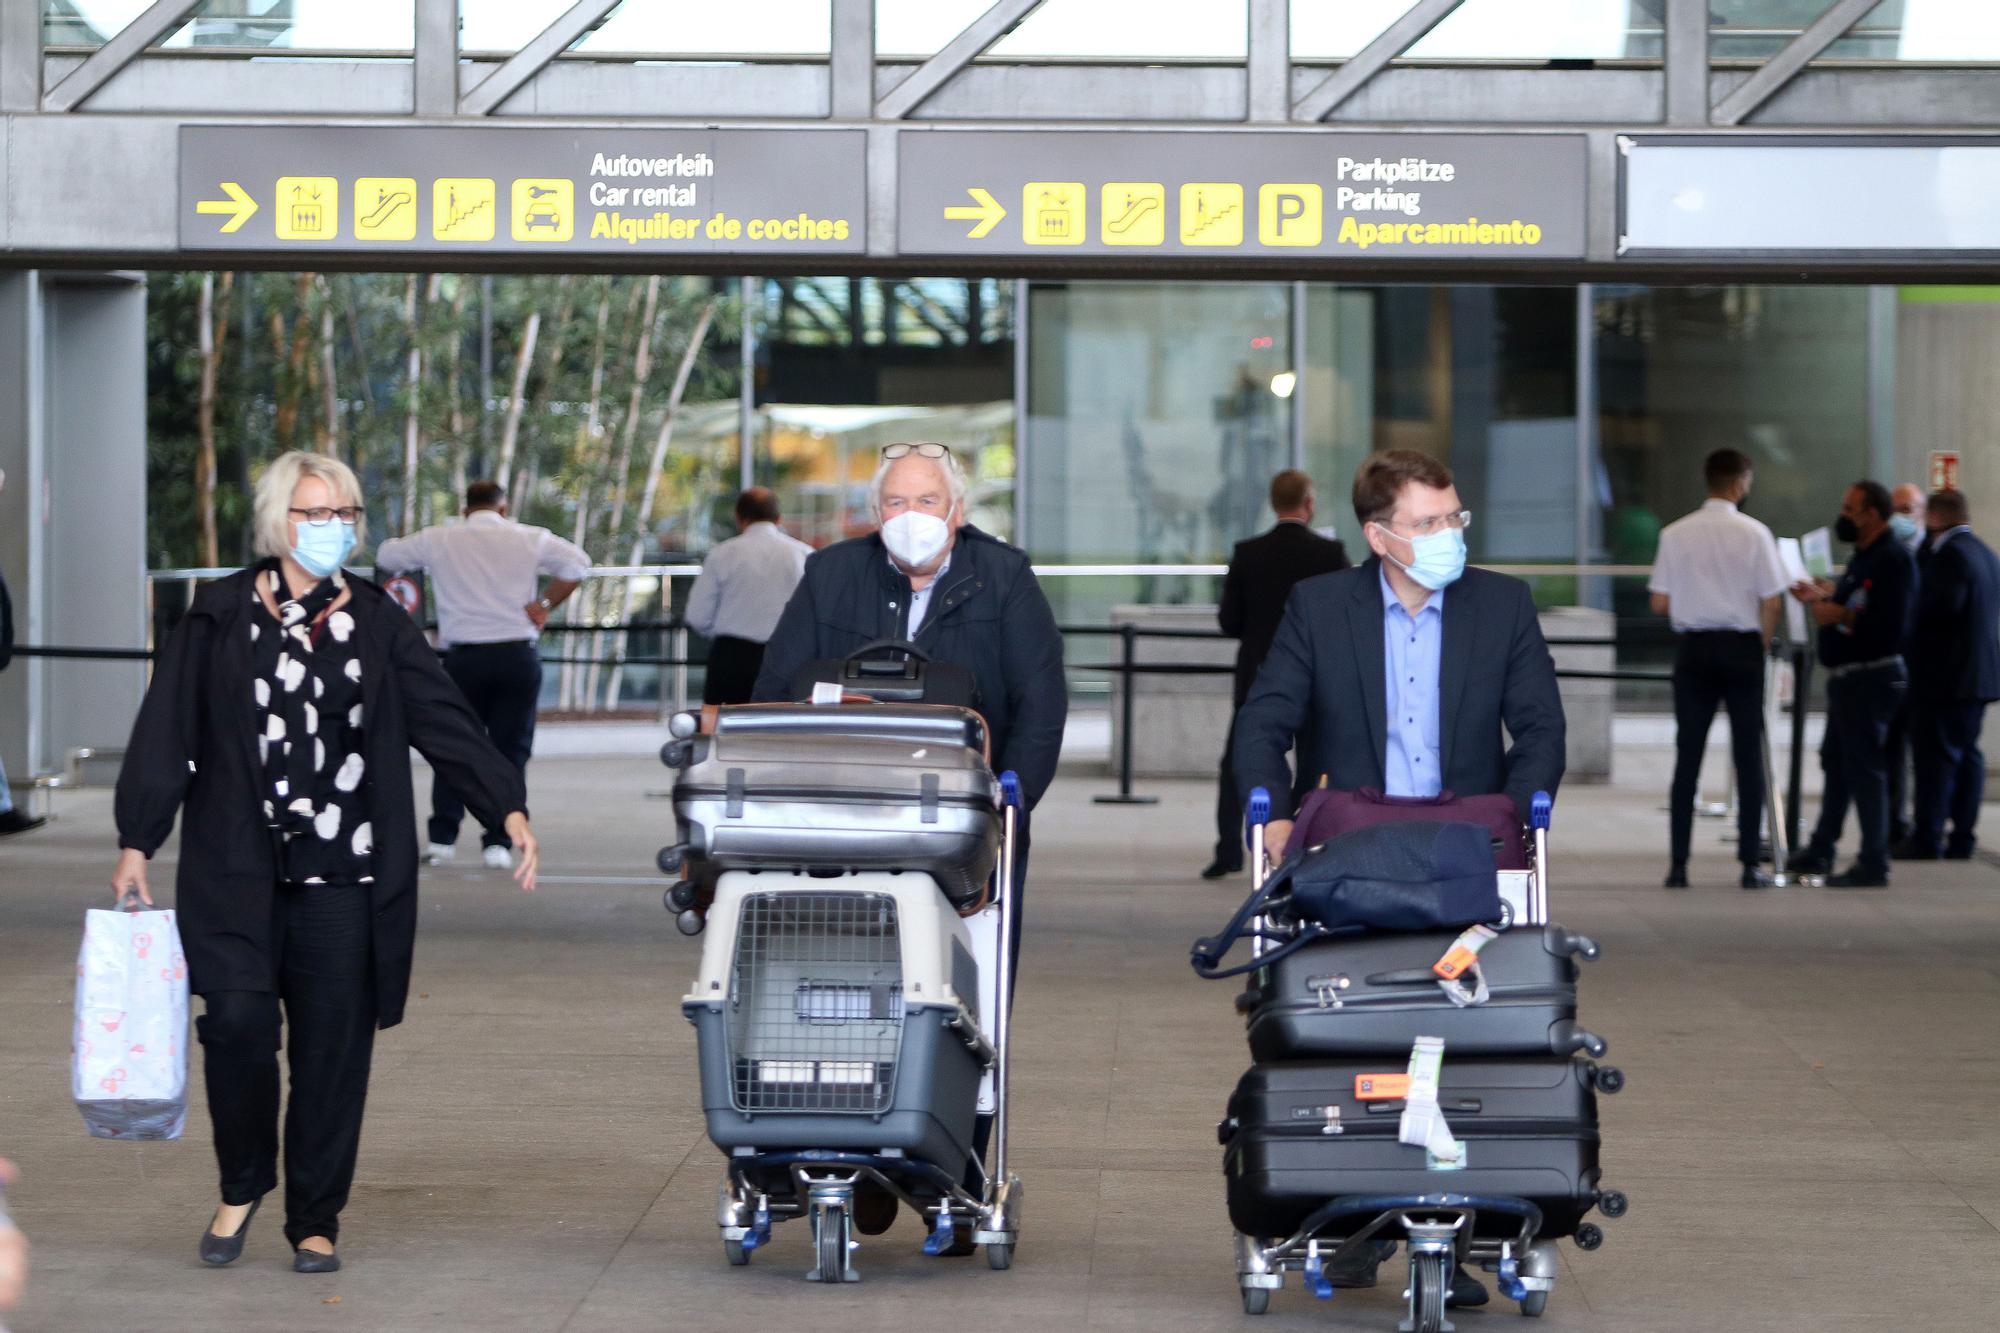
[(525, 844), (130, 877)]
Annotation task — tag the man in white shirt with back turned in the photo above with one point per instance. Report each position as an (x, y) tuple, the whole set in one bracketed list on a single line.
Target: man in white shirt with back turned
[(741, 591), (487, 572), (1718, 578)]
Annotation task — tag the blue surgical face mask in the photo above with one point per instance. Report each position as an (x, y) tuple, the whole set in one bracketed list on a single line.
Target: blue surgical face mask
[(1904, 527), (323, 547), (1436, 559)]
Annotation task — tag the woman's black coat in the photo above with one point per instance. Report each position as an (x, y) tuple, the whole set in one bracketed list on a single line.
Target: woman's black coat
[(195, 745)]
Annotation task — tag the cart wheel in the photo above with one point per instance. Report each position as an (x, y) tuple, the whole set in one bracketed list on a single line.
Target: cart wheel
[(1256, 1300), (733, 1251), (1614, 1204), (830, 1242), (1430, 1278), (999, 1257), (1534, 1303)]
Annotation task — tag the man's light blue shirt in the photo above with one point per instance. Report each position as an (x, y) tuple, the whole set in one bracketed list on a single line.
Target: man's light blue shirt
[(1411, 651)]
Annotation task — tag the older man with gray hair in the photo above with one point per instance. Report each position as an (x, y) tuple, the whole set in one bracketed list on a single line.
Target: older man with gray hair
[(960, 595)]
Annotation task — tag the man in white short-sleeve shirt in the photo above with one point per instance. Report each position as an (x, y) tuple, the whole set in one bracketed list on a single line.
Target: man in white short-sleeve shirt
[(1718, 578), (487, 573)]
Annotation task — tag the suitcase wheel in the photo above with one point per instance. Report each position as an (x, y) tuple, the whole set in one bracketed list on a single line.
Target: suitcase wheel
[(1610, 1079), (1589, 1236), (1613, 1204)]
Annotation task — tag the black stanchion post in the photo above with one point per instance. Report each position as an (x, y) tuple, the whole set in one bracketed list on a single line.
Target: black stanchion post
[(1802, 659), (1128, 676)]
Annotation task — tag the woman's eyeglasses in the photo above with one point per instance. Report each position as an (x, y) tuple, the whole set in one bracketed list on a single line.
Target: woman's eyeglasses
[(920, 450), (320, 517)]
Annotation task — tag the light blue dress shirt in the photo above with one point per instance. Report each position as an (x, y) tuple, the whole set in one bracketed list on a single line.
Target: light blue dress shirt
[(1411, 649)]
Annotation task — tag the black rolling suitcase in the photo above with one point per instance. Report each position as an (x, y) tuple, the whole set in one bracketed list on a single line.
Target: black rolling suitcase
[(1298, 1135), (1342, 999)]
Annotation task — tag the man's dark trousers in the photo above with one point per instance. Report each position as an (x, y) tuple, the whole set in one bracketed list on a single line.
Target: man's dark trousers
[(1859, 705), (733, 665), (1901, 751), (1723, 667), (503, 683), (1950, 774)]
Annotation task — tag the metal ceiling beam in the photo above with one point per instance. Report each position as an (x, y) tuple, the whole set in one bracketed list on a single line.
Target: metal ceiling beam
[(960, 51), (852, 60), (1687, 62), (531, 59), (1372, 59), (1783, 67), (434, 72), (116, 53), (1268, 89)]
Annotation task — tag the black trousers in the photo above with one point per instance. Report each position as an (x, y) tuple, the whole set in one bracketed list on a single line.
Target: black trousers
[(1950, 773), (1898, 750), (503, 683), (1229, 845), (1726, 668), (1855, 759), (733, 665), (326, 987)]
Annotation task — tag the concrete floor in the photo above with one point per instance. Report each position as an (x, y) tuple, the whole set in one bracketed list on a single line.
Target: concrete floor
[(1809, 1135)]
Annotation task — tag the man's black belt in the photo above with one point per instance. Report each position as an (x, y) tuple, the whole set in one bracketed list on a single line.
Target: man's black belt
[(497, 643)]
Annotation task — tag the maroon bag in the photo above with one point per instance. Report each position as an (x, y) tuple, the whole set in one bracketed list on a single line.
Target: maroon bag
[(1326, 814)]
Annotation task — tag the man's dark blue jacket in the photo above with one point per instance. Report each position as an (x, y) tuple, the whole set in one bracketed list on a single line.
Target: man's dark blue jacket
[(1954, 647), (1324, 685), (986, 613)]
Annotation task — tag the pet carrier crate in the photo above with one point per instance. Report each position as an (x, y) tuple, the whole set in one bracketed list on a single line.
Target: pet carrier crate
[(838, 1013)]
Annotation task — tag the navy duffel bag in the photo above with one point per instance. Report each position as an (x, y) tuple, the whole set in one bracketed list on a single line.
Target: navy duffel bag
[(1387, 877)]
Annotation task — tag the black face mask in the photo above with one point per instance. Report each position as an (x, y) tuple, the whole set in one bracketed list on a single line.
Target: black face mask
[(1845, 529)]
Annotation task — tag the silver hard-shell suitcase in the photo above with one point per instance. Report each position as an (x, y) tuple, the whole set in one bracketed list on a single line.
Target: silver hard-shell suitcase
[(854, 787)]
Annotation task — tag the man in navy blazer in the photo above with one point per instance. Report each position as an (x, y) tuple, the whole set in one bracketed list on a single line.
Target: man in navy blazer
[(1410, 674), (1954, 662)]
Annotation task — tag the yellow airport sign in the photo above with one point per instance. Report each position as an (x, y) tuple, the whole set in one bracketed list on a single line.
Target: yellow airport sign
[(1290, 214), (308, 208), (1211, 213), (1053, 212), (985, 212), (385, 208), (1133, 213), (544, 209)]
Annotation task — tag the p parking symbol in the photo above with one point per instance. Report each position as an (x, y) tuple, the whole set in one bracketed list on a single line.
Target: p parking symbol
[(1290, 215)]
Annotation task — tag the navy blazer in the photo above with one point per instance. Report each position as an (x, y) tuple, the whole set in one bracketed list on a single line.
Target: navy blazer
[(1954, 649), (1263, 570), (1324, 685)]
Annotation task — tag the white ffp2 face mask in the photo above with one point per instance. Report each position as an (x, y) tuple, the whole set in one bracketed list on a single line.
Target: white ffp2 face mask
[(915, 539)]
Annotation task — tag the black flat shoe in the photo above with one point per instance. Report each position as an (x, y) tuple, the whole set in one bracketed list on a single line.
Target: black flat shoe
[(1909, 849), (1466, 1290), (220, 1250), (1677, 878), (312, 1261), (16, 822), (1220, 869), (1857, 878), (1753, 878), (1806, 861)]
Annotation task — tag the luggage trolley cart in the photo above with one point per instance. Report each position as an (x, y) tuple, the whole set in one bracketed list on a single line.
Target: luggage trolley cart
[(1504, 1234), (850, 1022)]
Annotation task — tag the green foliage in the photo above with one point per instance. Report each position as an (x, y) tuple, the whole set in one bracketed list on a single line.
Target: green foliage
[(278, 331)]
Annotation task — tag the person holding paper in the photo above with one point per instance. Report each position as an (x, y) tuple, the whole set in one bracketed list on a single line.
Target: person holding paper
[(1717, 576), (1863, 621)]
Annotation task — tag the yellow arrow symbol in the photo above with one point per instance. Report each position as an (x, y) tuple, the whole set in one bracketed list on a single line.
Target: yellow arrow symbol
[(238, 205), (987, 214)]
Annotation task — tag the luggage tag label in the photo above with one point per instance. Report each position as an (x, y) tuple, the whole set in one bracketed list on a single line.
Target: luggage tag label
[(1381, 1087), (1423, 1124), (1464, 951), (827, 692)]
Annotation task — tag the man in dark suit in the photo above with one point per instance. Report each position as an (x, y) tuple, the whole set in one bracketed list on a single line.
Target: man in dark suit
[(1954, 659), (1262, 571), (1400, 676)]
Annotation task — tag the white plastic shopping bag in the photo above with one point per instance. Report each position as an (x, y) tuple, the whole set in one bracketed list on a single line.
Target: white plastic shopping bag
[(128, 1051)]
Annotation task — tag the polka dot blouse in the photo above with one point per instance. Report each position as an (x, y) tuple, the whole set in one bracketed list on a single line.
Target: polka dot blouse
[(309, 700)]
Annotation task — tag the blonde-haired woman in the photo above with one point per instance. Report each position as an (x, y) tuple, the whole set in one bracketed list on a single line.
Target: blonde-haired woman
[(280, 719)]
